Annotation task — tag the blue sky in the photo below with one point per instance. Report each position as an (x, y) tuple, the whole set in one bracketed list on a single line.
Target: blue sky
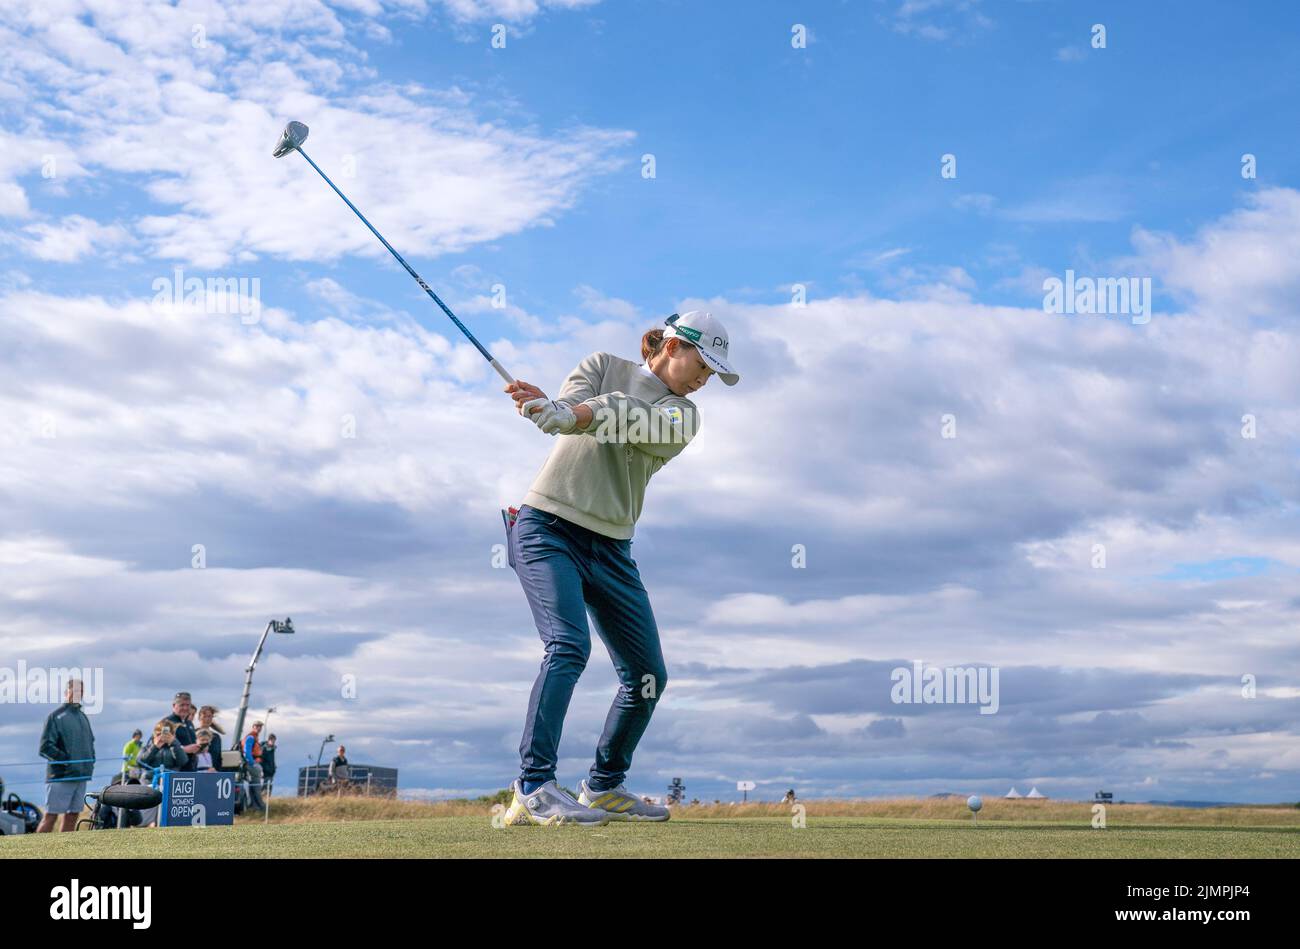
[(133, 430)]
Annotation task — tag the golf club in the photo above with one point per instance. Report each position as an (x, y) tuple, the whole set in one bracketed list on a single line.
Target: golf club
[(295, 133)]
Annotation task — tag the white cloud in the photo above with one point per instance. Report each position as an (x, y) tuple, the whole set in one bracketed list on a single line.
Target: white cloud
[(513, 10), (880, 260), (200, 122), (72, 238), (938, 20), (593, 301), (1243, 263), (1091, 199), (983, 203), (216, 380), (35, 157), (1028, 281), (13, 200)]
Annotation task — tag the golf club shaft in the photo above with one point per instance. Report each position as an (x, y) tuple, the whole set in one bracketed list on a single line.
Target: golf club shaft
[(418, 279)]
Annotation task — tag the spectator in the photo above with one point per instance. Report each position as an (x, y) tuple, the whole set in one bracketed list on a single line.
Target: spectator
[(253, 766), (340, 773), (163, 752), (131, 755), (203, 758), (182, 711), (207, 716), (268, 763), (789, 797), (67, 737)]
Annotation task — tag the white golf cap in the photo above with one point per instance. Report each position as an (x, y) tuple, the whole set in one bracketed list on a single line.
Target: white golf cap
[(707, 334)]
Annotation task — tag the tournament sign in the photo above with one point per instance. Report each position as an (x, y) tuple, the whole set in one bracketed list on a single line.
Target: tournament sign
[(197, 799)]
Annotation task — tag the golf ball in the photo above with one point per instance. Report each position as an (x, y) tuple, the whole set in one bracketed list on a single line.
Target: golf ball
[(974, 802)]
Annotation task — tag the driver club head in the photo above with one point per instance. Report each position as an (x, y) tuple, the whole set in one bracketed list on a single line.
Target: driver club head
[(295, 133)]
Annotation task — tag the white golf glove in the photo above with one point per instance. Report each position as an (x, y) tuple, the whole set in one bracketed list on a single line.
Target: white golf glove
[(562, 421), (549, 416)]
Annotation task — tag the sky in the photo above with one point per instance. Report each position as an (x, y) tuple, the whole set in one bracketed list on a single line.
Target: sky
[(922, 462)]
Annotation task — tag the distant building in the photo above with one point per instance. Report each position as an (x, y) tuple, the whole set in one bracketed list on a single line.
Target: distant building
[(380, 781), (1034, 793), (1013, 793)]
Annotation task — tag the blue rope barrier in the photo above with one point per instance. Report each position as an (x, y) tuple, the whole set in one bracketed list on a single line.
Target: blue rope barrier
[(105, 774), (46, 761), (37, 782), (154, 774)]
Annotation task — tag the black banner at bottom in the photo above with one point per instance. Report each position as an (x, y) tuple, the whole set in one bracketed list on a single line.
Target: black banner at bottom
[(1223, 897)]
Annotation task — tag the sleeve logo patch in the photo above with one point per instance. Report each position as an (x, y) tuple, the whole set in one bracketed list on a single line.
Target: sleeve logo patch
[(674, 414)]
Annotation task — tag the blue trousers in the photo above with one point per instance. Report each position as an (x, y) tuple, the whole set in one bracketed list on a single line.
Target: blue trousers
[(567, 570)]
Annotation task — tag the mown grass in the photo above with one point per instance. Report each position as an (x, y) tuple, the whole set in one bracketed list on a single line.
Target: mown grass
[(295, 810), (370, 828)]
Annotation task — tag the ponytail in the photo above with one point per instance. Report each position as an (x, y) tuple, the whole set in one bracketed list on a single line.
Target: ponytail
[(651, 343)]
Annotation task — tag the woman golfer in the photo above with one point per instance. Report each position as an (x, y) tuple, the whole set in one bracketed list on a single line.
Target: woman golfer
[(571, 547)]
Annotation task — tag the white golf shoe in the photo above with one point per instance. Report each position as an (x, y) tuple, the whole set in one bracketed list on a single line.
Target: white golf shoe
[(620, 804), (550, 806)]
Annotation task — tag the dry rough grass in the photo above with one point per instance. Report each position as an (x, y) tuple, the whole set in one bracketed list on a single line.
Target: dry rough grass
[(325, 809), (999, 809), (307, 810)]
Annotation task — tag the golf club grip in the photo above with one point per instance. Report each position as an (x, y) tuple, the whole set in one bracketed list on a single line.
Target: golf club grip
[(418, 279)]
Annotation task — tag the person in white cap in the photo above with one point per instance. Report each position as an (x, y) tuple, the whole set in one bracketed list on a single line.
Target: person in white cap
[(571, 547)]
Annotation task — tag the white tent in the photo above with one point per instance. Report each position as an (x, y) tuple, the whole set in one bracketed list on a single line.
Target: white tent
[(1033, 792), (1013, 793)]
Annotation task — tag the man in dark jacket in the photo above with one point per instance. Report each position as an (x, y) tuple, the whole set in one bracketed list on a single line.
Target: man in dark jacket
[(68, 743), (182, 712)]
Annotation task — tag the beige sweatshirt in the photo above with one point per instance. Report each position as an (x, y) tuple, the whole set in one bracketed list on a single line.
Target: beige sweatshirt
[(596, 477)]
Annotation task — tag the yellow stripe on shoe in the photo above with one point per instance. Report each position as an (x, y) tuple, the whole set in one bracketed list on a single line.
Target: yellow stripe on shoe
[(517, 813)]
